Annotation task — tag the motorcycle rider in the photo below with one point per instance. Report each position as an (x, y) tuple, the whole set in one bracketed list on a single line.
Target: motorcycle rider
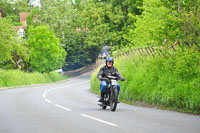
[(108, 70)]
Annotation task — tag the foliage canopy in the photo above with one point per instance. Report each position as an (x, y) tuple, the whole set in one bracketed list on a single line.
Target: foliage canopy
[(13, 49), (46, 52)]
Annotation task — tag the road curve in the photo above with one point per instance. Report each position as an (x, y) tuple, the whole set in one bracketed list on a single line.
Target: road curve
[(69, 107)]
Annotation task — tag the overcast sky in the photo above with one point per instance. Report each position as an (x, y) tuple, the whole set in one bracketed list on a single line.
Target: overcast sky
[(34, 3)]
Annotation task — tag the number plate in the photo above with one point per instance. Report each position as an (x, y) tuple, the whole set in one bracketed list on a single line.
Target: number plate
[(113, 82)]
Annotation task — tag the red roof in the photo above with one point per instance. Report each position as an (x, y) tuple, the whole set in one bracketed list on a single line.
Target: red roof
[(23, 16), (23, 20)]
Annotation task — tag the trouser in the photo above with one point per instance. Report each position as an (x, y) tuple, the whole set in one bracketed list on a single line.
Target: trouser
[(104, 85)]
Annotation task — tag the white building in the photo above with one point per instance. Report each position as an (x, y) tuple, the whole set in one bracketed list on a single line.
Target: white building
[(21, 32), (34, 3)]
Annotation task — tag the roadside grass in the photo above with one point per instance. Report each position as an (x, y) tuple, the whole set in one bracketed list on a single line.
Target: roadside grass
[(95, 83), (172, 82), (18, 78)]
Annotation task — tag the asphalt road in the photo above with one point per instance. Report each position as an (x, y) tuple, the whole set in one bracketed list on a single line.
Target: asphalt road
[(69, 107)]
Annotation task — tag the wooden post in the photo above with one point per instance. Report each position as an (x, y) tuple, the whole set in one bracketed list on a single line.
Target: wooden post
[(158, 53), (151, 51), (196, 45), (147, 51), (162, 52), (174, 48), (187, 44), (142, 49)]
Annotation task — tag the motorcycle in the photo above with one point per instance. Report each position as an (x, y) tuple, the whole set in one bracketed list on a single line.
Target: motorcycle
[(111, 94)]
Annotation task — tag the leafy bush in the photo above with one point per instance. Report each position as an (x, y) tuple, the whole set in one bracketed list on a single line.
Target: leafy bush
[(95, 82), (164, 21), (17, 24), (46, 52)]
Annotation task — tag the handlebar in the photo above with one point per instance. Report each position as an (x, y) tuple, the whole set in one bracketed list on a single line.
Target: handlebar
[(112, 77)]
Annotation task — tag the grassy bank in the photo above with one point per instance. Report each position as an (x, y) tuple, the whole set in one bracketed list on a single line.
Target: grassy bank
[(171, 82), (18, 78)]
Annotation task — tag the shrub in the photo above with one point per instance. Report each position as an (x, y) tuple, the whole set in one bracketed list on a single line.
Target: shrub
[(18, 78)]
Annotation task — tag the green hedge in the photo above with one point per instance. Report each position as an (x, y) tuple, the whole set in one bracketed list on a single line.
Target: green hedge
[(171, 82), (18, 78)]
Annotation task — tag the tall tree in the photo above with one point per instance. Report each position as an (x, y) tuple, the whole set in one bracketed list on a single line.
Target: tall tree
[(165, 22), (64, 18), (99, 23), (46, 52), (13, 50), (186, 14), (12, 8), (127, 11)]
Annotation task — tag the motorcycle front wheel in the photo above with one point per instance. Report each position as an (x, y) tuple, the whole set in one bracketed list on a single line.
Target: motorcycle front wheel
[(113, 99)]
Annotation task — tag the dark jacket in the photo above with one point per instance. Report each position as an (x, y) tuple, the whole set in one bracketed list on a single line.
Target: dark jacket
[(106, 71)]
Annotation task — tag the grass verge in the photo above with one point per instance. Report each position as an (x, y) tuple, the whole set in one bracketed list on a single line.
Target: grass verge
[(18, 78), (171, 83)]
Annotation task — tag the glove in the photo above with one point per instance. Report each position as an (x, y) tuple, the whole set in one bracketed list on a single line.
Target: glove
[(122, 79), (104, 79)]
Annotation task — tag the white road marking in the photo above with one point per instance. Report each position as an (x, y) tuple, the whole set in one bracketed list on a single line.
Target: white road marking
[(46, 91), (48, 101), (62, 107), (44, 96), (109, 123), (68, 109)]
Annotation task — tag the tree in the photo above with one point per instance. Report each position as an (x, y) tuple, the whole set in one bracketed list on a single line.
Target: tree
[(12, 8), (166, 22), (186, 14), (7, 40), (46, 52), (13, 50), (154, 26), (107, 22), (63, 17)]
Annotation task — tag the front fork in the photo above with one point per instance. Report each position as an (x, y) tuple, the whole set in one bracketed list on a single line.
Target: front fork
[(109, 93)]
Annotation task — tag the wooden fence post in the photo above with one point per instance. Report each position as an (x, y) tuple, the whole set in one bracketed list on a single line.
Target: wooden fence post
[(143, 51), (187, 44), (162, 52), (173, 48), (196, 45), (151, 51), (147, 51)]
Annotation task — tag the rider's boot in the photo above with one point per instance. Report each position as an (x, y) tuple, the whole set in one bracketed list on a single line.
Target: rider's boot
[(118, 101), (101, 98)]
